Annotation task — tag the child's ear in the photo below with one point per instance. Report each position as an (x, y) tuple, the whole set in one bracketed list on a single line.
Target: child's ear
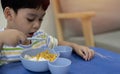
[(8, 12)]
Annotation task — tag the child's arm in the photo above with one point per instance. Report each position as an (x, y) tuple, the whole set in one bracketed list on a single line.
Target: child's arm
[(11, 37), (83, 51)]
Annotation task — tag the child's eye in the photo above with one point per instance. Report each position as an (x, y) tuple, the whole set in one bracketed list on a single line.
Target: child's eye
[(30, 20), (40, 19)]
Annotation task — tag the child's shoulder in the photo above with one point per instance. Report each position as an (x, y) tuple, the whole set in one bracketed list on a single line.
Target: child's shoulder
[(40, 33)]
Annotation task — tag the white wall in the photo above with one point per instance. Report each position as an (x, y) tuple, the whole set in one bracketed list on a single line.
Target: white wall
[(47, 25), (2, 19), (107, 15)]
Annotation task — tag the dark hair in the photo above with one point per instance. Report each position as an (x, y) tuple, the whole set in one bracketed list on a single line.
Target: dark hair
[(18, 4)]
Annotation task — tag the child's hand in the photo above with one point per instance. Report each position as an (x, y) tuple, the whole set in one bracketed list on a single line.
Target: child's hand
[(84, 52), (12, 37)]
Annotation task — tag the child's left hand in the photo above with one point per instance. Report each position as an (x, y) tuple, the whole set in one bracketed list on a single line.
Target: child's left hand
[(85, 52)]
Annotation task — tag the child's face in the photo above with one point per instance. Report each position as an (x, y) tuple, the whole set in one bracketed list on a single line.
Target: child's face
[(27, 20)]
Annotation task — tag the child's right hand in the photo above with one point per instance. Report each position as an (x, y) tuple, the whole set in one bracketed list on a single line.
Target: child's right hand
[(11, 37)]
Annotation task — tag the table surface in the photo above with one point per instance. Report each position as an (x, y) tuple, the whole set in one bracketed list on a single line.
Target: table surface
[(104, 62)]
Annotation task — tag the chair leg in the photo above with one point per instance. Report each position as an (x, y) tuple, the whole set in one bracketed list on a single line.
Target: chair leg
[(87, 31), (59, 30)]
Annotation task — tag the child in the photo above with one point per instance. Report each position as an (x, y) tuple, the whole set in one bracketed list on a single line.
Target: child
[(24, 18)]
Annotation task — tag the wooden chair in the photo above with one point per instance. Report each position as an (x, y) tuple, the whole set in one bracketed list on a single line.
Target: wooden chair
[(85, 18)]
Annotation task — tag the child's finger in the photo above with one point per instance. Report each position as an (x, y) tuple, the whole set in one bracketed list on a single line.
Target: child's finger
[(84, 54), (80, 53), (22, 39), (1, 46), (91, 54)]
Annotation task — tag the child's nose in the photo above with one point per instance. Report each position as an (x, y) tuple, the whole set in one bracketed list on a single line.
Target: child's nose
[(37, 25)]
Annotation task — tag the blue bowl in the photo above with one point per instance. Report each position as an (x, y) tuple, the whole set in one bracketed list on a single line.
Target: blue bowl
[(65, 51), (35, 66), (60, 66)]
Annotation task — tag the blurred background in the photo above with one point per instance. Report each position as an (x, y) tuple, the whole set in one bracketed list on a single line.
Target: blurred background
[(106, 21), (107, 14)]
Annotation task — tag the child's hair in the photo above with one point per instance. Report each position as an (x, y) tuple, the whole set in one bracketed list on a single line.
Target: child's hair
[(18, 4)]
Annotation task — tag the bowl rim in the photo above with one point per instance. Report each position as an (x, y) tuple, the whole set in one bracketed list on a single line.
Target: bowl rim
[(70, 62), (27, 50), (70, 50)]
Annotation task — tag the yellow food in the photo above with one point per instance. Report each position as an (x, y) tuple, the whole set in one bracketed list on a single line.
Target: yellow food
[(46, 55)]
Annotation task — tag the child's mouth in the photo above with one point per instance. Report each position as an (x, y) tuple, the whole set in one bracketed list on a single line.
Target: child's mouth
[(30, 34)]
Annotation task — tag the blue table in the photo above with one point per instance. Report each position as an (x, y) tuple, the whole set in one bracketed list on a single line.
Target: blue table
[(104, 62)]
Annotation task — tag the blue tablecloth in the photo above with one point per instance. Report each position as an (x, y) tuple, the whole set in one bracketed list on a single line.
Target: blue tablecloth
[(104, 62)]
